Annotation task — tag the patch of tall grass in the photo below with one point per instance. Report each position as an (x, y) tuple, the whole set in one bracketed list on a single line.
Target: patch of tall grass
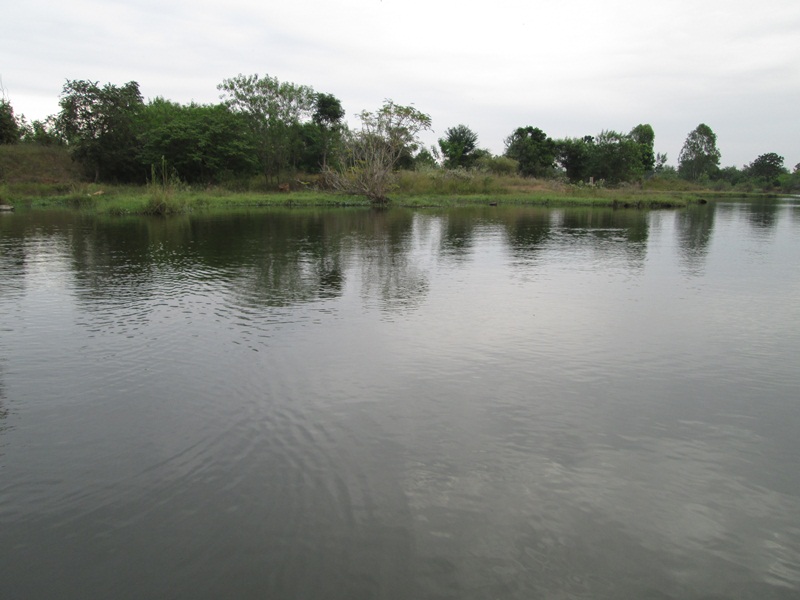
[(164, 191)]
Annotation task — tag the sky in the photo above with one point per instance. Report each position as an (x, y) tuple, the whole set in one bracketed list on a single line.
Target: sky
[(571, 68)]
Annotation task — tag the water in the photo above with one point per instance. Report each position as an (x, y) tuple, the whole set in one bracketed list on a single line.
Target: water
[(514, 403)]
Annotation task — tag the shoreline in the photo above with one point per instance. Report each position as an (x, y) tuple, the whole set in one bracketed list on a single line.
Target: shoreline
[(113, 200)]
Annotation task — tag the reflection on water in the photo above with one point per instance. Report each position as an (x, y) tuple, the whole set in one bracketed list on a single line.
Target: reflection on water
[(475, 403)]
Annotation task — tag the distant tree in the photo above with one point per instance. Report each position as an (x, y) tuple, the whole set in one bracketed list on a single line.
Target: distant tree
[(533, 150), (424, 159), (458, 147), (660, 162), (574, 155), (41, 133), (767, 167), (616, 157), (201, 143), (9, 127), (274, 111), (328, 116), (699, 156), (373, 153), (645, 137), (98, 124)]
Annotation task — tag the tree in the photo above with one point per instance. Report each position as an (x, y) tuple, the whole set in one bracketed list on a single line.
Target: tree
[(699, 156), (373, 152), (645, 137), (533, 150), (327, 117), (41, 133), (9, 128), (202, 143), (767, 167), (274, 111), (98, 124), (616, 158), (574, 155), (458, 147)]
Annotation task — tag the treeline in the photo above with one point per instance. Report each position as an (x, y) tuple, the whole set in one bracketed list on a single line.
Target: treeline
[(275, 130)]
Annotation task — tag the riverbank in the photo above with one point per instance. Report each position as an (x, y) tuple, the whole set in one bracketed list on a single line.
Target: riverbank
[(127, 200)]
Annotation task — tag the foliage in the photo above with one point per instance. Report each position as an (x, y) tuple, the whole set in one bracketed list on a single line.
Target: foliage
[(373, 152), (9, 127), (575, 156), (99, 127), (645, 137), (768, 167), (203, 143), (42, 133), (534, 152), (699, 157), (274, 111), (496, 165), (326, 135), (425, 160), (458, 147), (616, 158)]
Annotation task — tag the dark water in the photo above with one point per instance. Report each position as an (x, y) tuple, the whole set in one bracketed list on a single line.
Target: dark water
[(484, 403)]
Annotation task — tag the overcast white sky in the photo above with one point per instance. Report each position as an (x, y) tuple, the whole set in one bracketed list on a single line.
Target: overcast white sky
[(572, 67)]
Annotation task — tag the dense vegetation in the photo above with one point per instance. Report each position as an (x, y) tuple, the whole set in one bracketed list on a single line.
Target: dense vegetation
[(268, 134)]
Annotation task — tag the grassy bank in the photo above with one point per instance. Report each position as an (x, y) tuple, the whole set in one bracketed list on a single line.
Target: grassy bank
[(144, 200), (37, 177), (120, 200)]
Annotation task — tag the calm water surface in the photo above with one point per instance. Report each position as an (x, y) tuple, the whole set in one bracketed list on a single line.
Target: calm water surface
[(514, 403)]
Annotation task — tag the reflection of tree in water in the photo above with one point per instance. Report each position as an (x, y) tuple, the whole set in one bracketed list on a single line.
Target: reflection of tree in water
[(694, 226), (762, 213), (458, 232), (606, 232), (527, 229), (388, 266)]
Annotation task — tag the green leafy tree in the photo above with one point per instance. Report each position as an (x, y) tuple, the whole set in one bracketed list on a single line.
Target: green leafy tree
[(533, 150), (386, 137), (98, 124), (328, 118), (9, 127), (645, 137), (41, 133), (768, 167), (616, 157), (458, 147), (274, 111), (202, 143), (574, 155), (699, 157)]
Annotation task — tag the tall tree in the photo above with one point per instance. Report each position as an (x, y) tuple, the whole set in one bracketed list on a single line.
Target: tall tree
[(458, 147), (9, 128), (533, 150), (98, 124), (699, 156), (327, 117), (644, 135), (274, 111)]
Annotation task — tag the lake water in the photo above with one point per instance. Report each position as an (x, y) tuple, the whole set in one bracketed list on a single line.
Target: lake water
[(485, 403)]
